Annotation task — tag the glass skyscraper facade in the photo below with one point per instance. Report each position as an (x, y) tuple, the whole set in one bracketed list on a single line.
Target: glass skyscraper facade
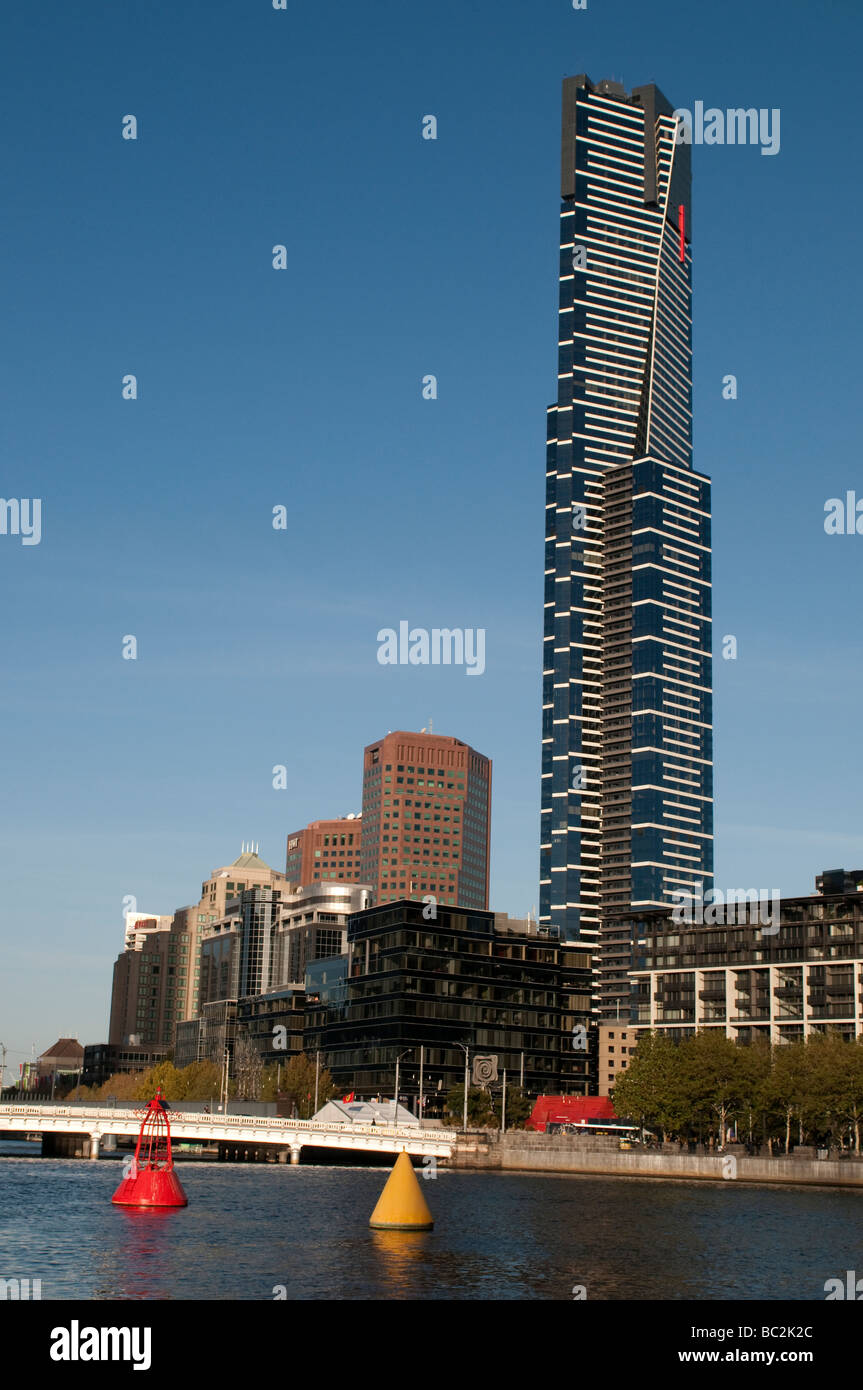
[(627, 786)]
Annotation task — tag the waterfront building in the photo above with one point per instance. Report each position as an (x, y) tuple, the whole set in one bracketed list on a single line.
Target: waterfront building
[(426, 820), (327, 850), (210, 1037), (752, 980), (273, 1022), (187, 1044), (627, 788), (327, 982), (104, 1060), (61, 1061), (460, 979)]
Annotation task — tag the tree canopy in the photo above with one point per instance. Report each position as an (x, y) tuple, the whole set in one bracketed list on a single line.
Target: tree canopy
[(706, 1082)]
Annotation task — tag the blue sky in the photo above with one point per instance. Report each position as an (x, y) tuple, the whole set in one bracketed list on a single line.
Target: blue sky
[(303, 388)]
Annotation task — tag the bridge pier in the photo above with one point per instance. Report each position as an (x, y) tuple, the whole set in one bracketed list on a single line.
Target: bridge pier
[(94, 1147), (295, 1153), (283, 1155), (65, 1145)]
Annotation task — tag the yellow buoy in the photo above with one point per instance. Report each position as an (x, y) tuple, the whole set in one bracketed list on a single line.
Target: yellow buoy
[(402, 1206)]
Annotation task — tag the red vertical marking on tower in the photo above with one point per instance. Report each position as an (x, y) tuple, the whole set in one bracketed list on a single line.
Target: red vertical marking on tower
[(681, 218)]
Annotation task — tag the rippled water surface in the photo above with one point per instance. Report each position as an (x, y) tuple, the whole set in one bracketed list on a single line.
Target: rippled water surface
[(249, 1228)]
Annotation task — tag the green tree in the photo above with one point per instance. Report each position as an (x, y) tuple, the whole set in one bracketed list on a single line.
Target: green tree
[(519, 1107), (785, 1091), (200, 1081), (822, 1061), (481, 1113), (714, 1079), (248, 1068), (837, 1079), (849, 1100), (123, 1085), (298, 1085), (164, 1076), (651, 1088), (271, 1081)]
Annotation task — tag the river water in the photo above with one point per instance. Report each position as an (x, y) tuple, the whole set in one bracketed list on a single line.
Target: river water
[(252, 1229)]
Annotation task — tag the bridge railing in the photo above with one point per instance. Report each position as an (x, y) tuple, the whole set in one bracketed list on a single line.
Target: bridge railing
[(184, 1117)]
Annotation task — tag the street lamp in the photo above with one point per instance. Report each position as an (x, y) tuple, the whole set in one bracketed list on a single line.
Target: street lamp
[(398, 1059), (464, 1049), (223, 1088)]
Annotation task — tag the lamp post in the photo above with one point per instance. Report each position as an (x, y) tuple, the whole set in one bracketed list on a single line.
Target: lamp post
[(406, 1053), (464, 1049), (224, 1086)]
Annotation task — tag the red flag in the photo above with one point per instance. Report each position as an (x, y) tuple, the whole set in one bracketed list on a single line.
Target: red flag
[(346, 1100)]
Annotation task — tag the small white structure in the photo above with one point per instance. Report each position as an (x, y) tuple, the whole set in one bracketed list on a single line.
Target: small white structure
[(365, 1112)]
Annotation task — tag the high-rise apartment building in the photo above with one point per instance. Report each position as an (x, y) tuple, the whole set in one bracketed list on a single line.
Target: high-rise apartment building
[(224, 885), (426, 820), (627, 787), (782, 982), (254, 963), (152, 977), (326, 850), (156, 977), (236, 952), (615, 1045), (313, 925), (268, 936)]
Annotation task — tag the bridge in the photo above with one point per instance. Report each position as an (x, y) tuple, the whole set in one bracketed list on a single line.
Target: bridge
[(287, 1136)]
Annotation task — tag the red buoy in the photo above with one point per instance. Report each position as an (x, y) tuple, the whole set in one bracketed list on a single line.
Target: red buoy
[(152, 1181)]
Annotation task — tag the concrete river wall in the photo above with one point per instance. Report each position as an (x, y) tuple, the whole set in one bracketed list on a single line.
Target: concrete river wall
[(521, 1151)]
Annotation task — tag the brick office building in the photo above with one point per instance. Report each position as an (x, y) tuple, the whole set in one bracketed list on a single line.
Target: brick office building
[(426, 820)]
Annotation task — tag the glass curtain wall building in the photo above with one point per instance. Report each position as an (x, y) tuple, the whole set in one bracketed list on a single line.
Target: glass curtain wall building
[(627, 781)]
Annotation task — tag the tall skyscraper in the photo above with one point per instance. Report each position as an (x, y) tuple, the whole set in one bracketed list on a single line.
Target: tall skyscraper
[(627, 786), (426, 820)]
